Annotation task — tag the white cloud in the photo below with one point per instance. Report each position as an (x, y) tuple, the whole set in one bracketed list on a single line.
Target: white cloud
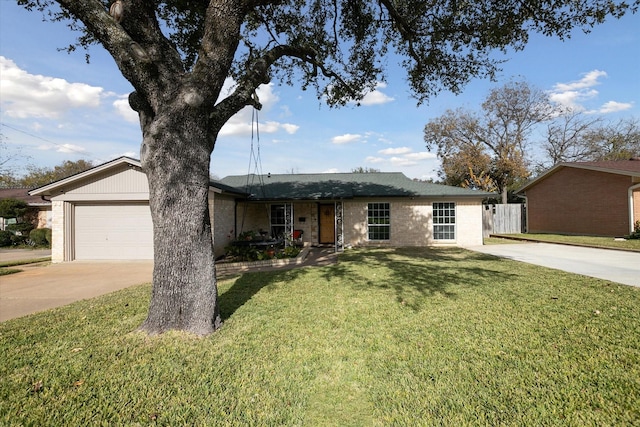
[(242, 123), (423, 155), (123, 109), (574, 95), (347, 138), (614, 107), (371, 159), (588, 80), (402, 161), (29, 95), (400, 156), (290, 128), (376, 96), (63, 148), (399, 150), (331, 170)]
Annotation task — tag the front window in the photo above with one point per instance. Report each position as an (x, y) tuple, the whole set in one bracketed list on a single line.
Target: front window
[(281, 220), (278, 220), (444, 221), (378, 221)]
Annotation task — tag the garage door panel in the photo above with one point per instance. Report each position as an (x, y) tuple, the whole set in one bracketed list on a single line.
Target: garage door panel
[(114, 231)]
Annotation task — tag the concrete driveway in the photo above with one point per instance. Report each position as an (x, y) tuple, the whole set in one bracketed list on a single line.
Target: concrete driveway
[(615, 266), (40, 288)]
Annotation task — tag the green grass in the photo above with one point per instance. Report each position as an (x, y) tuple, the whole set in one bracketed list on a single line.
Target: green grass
[(600, 242), (24, 262), (385, 337), (6, 271)]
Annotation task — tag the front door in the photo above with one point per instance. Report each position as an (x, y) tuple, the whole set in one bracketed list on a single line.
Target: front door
[(327, 219)]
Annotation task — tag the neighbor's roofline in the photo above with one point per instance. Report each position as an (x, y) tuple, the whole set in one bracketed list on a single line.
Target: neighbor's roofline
[(555, 168)]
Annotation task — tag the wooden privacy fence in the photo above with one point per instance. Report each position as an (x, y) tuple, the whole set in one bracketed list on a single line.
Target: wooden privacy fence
[(503, 219)]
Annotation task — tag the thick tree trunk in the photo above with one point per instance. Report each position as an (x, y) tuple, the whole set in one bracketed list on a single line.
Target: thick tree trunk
[(175, 156)]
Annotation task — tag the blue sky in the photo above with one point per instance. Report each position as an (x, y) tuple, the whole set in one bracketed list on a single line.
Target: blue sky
[(55, 107)]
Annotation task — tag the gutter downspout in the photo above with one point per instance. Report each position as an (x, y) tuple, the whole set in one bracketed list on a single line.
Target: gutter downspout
[(631, 218)]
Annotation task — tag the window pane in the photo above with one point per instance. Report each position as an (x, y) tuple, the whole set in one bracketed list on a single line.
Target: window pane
[(379, 221), (444, 219)]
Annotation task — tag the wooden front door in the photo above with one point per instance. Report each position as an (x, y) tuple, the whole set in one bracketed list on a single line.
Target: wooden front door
[(327, 227)]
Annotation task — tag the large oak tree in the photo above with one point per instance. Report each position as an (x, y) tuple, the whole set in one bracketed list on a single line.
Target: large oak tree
[(178, 53)]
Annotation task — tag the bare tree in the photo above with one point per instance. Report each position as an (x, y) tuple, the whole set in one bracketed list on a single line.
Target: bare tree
[(576, 136), (493, 144), (565, 134), (177, 54)]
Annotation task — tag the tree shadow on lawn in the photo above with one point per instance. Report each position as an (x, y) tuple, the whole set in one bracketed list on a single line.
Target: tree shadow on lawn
[(412, 273), (248, 285), (415, 274)]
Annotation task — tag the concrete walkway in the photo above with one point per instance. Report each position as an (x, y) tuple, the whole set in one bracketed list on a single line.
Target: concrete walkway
[(615, 266)]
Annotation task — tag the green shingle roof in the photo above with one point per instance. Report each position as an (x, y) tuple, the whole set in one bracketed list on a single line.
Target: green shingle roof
[(341, 186)]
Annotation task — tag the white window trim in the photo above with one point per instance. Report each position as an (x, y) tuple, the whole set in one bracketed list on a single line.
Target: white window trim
[(455, 224), (384, 225)]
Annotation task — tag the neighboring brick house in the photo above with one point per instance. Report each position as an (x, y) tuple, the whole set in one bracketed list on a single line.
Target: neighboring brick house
[(103, 213), (588, 198), (40, 206)]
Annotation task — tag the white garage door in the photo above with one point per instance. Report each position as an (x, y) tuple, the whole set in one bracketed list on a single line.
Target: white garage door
[(114, 231)]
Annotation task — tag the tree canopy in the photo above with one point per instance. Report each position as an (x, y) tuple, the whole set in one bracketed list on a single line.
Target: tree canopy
[(177, 55), (337, 46)]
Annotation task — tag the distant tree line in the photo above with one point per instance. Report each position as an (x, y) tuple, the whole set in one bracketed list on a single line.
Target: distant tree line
[(39, 176)]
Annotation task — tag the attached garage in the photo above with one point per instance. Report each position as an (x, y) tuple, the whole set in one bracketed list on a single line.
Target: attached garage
[(103, 213), (113, 231)]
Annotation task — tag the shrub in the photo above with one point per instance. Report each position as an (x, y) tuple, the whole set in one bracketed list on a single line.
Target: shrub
[(5, 238), (39, 236), (636, 231), (18, 239), (13, 208), (48, 236), (21, 228)]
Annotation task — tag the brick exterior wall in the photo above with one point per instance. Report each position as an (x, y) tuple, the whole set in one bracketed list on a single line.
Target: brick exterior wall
[(579, 201), (57, 231), (222, 216), (412, 223)]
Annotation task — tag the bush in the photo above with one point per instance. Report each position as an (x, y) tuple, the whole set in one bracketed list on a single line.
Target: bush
[(5, 238), (48, 236), (21, 228), (636, 231), (13, 208), (39, 236), (18, 239)]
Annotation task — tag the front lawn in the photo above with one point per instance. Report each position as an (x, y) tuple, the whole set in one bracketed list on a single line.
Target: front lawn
[(385, 337)]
